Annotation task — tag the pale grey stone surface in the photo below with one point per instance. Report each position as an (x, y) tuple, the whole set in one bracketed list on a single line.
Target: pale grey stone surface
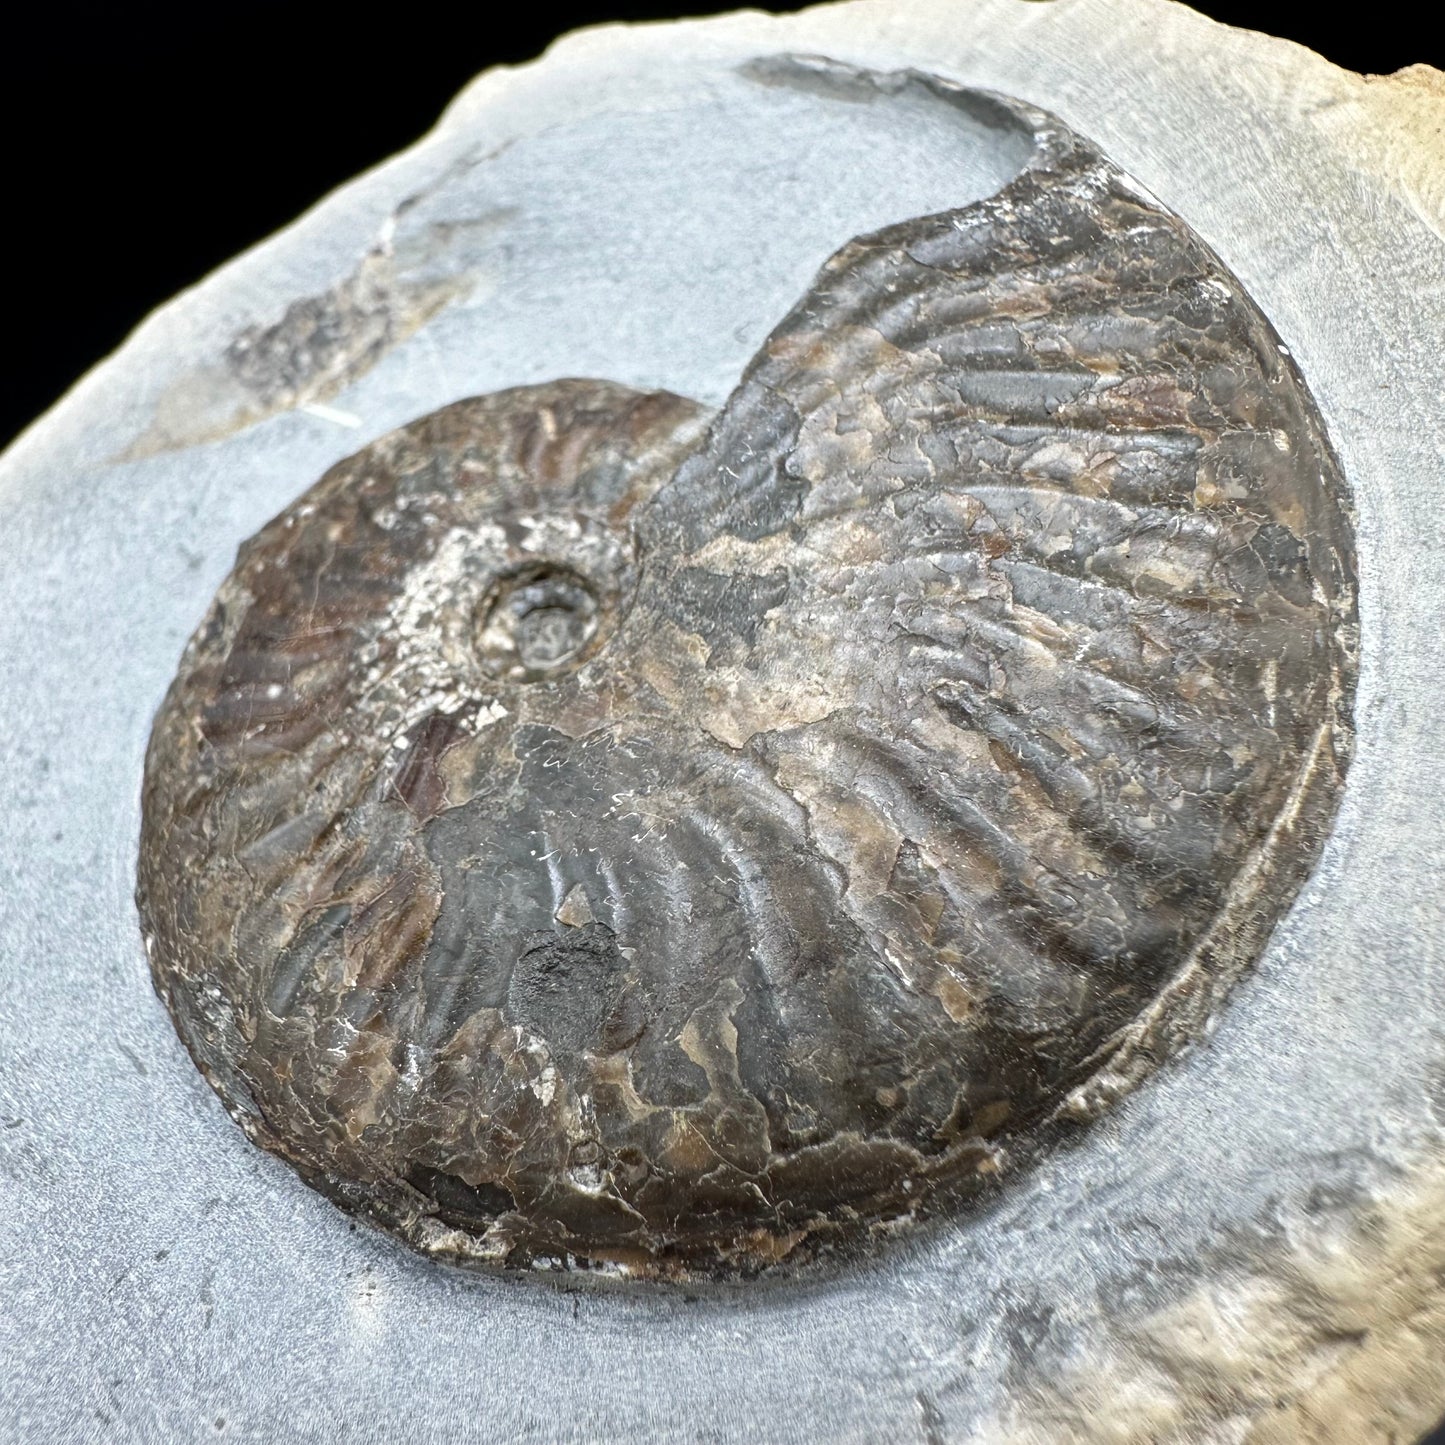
[(635, 208)]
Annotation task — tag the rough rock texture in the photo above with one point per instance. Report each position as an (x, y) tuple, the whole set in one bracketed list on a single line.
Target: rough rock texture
[(1246, 1248), (576, 834)]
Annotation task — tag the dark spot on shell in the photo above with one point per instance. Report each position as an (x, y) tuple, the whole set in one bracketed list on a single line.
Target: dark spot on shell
[(459, 1204), (589, 829), (566, 985)]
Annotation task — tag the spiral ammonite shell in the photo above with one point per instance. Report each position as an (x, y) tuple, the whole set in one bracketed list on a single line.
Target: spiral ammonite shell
[(587, 828)]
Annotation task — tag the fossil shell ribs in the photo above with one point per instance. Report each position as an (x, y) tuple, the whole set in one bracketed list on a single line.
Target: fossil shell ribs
[(587, 827)]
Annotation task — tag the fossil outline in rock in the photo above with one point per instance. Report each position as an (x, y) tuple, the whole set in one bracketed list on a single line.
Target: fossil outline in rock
[(587, 828)]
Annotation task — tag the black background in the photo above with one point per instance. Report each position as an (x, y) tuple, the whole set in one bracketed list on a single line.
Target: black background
[(145, 143)]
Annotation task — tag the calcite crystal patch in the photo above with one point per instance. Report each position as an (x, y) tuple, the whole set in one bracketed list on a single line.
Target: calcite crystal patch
[(592, 828)]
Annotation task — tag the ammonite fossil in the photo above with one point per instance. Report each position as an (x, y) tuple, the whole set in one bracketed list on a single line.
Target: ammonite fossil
[(587, 828)]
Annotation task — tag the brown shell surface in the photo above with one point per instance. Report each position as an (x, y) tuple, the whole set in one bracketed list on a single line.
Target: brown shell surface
[(591, 829)]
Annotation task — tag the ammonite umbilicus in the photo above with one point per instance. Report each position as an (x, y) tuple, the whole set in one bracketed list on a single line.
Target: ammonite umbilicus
[(590, 828)]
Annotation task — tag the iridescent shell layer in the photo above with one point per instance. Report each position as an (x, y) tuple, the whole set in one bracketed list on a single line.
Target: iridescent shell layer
[(588, 827)]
